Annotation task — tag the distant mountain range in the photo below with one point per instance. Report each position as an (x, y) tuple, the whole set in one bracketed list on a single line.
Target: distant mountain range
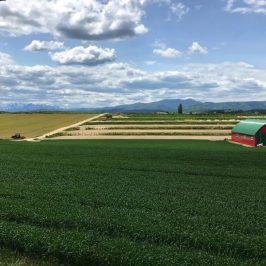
[(189, 105), (28, 108)]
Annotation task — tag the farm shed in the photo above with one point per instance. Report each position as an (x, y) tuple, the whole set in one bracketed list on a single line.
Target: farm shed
[(251, 132)]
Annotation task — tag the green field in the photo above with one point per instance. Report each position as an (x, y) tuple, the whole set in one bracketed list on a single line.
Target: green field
[(36, 124), (134, 202), (174, 116)]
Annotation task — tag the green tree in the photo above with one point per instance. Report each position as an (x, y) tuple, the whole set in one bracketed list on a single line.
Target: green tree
[(180, 109)]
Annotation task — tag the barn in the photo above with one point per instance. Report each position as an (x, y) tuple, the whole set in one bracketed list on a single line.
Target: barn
[(251, 132)]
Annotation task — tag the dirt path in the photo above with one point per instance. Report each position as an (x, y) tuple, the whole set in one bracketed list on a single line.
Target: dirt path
[(64, 128), (212, 138)]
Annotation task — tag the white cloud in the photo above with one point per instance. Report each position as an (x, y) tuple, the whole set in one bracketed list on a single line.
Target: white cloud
[(37, 45), (179, 9), (150, 63), (196, 48), (80, 19), (167, 52), (246, 6), (176, 7), (6, 59), (119, 84), (90, 56)]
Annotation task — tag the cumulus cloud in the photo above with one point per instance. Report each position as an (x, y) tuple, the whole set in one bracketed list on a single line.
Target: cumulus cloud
[(6, 59), (167, 52), (81, 19), (89, 56), (196, 48), (246, 6), (37, 45), (118, 83)]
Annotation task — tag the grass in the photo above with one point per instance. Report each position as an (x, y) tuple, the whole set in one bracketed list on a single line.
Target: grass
[(12, 258), (134, 202), (36, 124)]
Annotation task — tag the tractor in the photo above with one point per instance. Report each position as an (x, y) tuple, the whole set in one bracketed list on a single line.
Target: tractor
[(18, 136)]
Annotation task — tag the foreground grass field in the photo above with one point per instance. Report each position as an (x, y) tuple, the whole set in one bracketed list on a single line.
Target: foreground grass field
[(134, 202), (33, 125)]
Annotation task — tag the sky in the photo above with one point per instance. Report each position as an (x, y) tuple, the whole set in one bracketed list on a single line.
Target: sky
[(95, 53)]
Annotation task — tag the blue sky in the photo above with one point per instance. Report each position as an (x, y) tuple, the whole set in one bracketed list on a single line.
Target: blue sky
[(97, 53)]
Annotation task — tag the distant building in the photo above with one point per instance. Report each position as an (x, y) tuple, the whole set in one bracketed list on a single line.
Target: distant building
[(251, 132)]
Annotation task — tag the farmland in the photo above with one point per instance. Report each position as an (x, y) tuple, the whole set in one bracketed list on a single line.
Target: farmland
[(167, 126), (36, 124), (134, 202)]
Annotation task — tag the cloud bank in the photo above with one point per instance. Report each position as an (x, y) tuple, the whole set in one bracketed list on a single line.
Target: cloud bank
[(119, 83)]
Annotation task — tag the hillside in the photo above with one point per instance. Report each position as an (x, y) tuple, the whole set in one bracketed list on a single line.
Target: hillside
[(188, 105)]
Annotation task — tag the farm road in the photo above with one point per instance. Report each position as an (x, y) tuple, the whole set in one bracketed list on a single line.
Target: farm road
[(64, 128)]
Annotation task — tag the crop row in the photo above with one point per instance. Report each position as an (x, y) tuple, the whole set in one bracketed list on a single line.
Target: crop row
[(194, 122), (160, 127), (192, 133), (185, 116)]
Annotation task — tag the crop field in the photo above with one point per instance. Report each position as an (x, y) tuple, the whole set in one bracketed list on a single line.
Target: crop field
[(133, 202), (140, 126), (35, 124), (149, 117)]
